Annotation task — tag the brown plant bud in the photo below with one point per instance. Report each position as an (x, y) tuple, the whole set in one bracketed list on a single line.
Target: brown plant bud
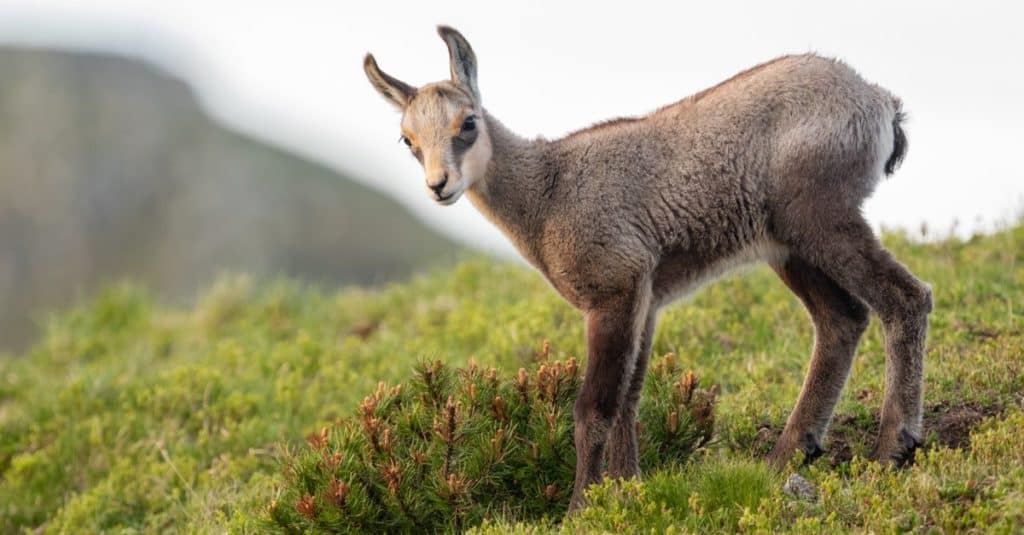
[(334, 461), (371, 428), (552, 419), (686, 386), (545, 349), (385, 445), (306, 506), (317, 441), (523, 383), (498, 442), (492, 377), (430, 374), (534, 451), (544, 381), (571, 368), (337, 494), (498, 409), (703, 411), (673, 422), (419, 458), (456, 484), (550, 493), (392, 475), (447, 432), (368, 406)]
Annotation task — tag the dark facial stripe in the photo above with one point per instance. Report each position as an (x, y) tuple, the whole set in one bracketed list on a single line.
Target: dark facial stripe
[(462, 143)]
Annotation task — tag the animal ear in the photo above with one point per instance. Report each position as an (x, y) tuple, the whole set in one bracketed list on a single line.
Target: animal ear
[(394, 90), (462, 60)]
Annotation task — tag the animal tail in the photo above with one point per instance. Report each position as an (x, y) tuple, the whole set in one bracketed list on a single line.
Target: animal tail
[(899, 145)]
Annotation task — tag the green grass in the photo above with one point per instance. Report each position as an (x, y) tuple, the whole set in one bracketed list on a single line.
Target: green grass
[(130, 417)]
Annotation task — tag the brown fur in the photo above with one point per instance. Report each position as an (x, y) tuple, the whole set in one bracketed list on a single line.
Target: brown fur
[(624, 217)]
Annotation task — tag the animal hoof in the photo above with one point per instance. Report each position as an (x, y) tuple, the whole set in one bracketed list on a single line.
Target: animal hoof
[(812, 450), (902, 451), (909, 444), (784, 449)]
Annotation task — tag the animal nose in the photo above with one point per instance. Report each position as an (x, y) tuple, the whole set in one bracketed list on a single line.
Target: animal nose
[(440, 185)]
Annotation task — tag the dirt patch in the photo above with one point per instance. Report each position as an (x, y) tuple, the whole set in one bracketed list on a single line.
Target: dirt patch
[(949, 424), (953, 424), (847, 437)]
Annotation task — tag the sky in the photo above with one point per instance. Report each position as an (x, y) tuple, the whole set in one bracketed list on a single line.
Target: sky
[(290, 73)]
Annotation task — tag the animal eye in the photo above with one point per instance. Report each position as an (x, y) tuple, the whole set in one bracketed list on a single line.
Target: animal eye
[(469, 124), (406, 141)]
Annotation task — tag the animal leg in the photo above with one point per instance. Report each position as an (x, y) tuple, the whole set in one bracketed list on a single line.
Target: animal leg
[(613, 338), (848, 252), (839, 321), (623, 453)]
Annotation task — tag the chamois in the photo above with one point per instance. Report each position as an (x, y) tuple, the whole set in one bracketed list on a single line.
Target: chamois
[(626, 216)]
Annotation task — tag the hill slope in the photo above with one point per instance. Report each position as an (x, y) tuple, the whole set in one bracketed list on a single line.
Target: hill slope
[(129, 416), (110, 169)]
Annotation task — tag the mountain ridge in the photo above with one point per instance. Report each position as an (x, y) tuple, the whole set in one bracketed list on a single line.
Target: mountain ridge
[(111, 169)]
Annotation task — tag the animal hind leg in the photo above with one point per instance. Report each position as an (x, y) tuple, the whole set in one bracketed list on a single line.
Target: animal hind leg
[(847, 251), (839, 321)]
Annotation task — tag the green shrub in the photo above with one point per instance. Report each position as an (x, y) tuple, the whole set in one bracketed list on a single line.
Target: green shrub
[(450, 448)]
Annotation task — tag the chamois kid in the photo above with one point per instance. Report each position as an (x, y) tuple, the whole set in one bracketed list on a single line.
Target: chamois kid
[(628, 215)]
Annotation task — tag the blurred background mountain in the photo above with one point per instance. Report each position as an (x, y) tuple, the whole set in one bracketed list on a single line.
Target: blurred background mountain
[(109, 169)]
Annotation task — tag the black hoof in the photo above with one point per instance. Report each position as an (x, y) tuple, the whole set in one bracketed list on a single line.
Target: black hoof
[(812, 450), (910, 444)]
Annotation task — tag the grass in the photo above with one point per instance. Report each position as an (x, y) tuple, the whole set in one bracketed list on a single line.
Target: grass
[(127, 416)]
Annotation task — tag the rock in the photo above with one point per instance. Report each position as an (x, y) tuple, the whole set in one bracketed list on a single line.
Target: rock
[(799, 488)]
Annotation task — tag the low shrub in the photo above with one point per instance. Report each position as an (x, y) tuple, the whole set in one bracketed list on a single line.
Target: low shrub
[(452, 447)]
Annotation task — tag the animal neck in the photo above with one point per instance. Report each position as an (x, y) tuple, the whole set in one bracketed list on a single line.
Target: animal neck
[(512, 193)]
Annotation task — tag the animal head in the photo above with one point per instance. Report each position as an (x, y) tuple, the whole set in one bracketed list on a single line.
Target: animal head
[(442, 122)]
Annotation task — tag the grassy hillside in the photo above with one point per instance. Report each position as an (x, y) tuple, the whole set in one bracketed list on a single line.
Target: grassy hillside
[(127, 416), (109, 168)]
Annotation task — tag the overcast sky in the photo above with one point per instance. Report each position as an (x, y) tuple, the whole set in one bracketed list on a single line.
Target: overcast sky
[(291, 74)]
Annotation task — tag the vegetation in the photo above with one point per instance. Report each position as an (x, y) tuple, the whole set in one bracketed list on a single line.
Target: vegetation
[(130, 417), (447, 450)]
